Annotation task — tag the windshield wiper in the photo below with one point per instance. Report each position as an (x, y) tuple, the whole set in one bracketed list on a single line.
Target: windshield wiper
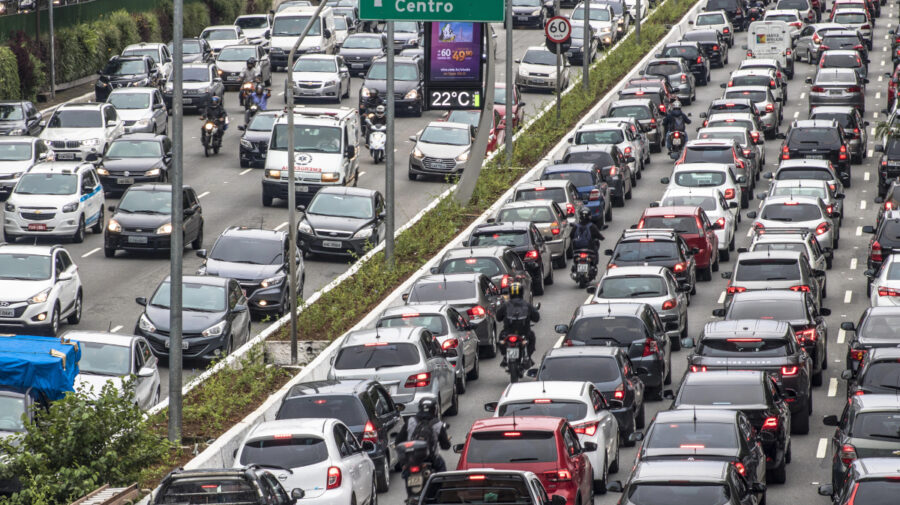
[(644, 293), (655, 257), (142, 211), (776, 278), (529, 458), (890, 386), (379, 367)]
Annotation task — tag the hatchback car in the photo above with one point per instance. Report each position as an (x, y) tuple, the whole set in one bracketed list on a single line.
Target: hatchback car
[(855, 19), (786, 239), (254, 143), (537, 70), (694, 227), (720, 212), (342, 220), (697, 481), (111, 358), (321, 77), (621, 135), (694, 55), (806, 188), (797, 211), (679, 74), (844, 58), (231, 61), (769, 108), (194, 50), (646, 114), (867, 428), (359, 50), (808, 44), (717, 20), (757, 77), (725, 152), (252, 485), (142, 110), (19, 117), (133, 159), (752, 147), (550, 219), (661, 247), (499, 263), (408, 85), (774, 270), (608, 161), (524, 238), (708, 175), (39, 285), (592, 190), (143, 220), (220, 36), (126, 72), (874, 329), (869, 480), (814, 169), (441, 149), (562, 192)]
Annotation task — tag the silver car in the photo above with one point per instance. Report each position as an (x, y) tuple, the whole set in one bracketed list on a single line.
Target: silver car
[(455, 335), (232, 61), (143, 110), (770, 111), (804, 7), (320, 77), (808, 169), (550, 219), (602, 21), (637, 133), (19, 154), (855, 19), (834, 202), (844, 58), (409, 362), (618, 134), (792, 239), (646, 114), (722, 214), (837, 86), (774, 270), (563, 192), (806, 212), (810, 40), (744, 140), (757, 77), (744, 120), (715, 20), (442, 148), (885, 291), (679, 74)]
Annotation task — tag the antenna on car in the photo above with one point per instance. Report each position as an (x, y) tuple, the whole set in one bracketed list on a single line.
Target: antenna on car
[(543, 387), (695, 418), (109, 328)]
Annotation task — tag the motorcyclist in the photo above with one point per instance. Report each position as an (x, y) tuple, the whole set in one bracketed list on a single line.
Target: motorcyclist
[(675, 120), (215, 111), (515, 315), (427, 416), (587, 235), (260, 98), (251, 72), (378, 118)]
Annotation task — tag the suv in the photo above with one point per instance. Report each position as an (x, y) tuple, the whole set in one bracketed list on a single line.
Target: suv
[(797, 211), (158, 54), (876, 375), (774, 270), (126, 72), (82, 130), (769, 108), (526, 241), (143, 110), (888, 164), (17, 155), (610, 163), (678, 72), (560, 191), (713, 44), (143, 220), (19, 117), (656, 247), (251, 485), (409, 81), (693, 55), (500, 263), (734, 9), (647, 115), (817, 139), (726, 152), (589, 184), (201, 83), (876, 328), (854, 127), (885, 240), (364, 405), (869, 480), (694, 227), (788, 239), (60, 199), (618, 134)]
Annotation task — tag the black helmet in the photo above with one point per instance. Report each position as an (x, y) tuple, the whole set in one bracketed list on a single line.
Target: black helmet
[(251, 62), (584, 215), (260, 89), (515, 290), (428, 406)]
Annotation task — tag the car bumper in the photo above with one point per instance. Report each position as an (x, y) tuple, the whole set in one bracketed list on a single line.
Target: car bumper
[(61, 224), (198, 347), (625, 417), (254, 157), (536, 82), (527, 19), (332, 246), (136, 241), (25, 315), (418, 166), (118, 184), (769, 121), (264, 300), (279, 189), (367, 105), (190, 101), (683, 92), (821, 101), (321, 93)]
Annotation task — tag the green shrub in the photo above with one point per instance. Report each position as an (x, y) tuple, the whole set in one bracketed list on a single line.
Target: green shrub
[(258, 6), (196, 18), (148, 27), (223, 12), (128, 28), (164, 18), (10, 88)]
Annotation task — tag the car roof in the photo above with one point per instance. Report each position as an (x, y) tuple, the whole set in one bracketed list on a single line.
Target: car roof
[(762, 255), (37, 250), (526, 203), (207, 280), (59, 167), (834, 109), (387, 335), (789, 199), (800, 183), (517, 423), (581, 148), (569, 167), (347, 190), (728, 129), (537, 185), (297, 426), (806, 163), (630, 270), (584, 351), (877, 467), (683, 470), (870, 402), (101, 337), (710, 143), (880, 353), (502, 226), (152, 186), (631, 102), (701, 415), (569, 390), (841, 52), (592, 127), (758, 328), (610, 309), (441, 278), (256, 233), (82, 105), (700, 166), (445, 124), (674, 210), (18, 139), (327, 387), (724, 377), (492, 251), (141, 136)]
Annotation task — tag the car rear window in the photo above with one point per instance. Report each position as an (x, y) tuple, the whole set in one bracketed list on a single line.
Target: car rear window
[(779, 246), (600, 158), (291, 452), (731, 122), (649, 250), (662, 68), (879, 425), (838, 77), (442, 290), (579, 179), (512, 238), (741, 346), (890, 233), (347, 408), (893, 272), (738, 137), (882, 374), (632, 286), (434, 322), (778, 310), (804, 173), (841, 41), (198, 490), (842, 118), (476, 489), (635, 111), (376, 355), (615, 330), (840, 61), (850, 18), (717, 394), (767, 269), (690, 435), (700, 179), (751, 80), (790, 212), (681, 224), (514, 446), (668, 493), (806, 137), (600, 137), (556, 194), (487, 266), (720, 5), (580, 368), (756, 96), (698, 154), (730, 107), (818, 191), (681, 52), (568, 410), (535, 214), (706, 203), (877, 492)]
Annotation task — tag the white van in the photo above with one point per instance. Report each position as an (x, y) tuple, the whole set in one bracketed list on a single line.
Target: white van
[(326, 153), (771, 39), (289, 24)]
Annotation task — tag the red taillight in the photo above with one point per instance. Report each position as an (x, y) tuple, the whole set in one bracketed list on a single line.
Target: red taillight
[(628, 151), (669, 304), (653, 121), (740, 468), (754, 136), (847, 454), (789, 371), (771, 83), (843, 153), (829, 209), (888, 205), (749, 54), (531, 255), (684, 77), (771, 423), (785, 153), (594, 196), (558, 475), (504, 281), (662, 108), (876, 251), (570, 209), (679, 267), (726, 30), (650, 347), (759, 226), (474, 477), (883, 291), (729, 193), (419, 380), (817, 89), (334, 477), (677, 135), (822, 228), (857, 354), (853, 89), (802, 287), (716, 47), (512, 339), (699, 60), (770, 107), (450, 343), (619, 393), (730, 84), (582, 255), (369, 433), (746, 152), (476, 311), (613, 171), (554, 228), (695, 368), (588, 429), (720, 222), (859, 392), (735, 289), (807, 336)]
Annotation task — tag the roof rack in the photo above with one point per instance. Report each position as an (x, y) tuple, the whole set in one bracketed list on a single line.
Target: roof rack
[(781, 231), (647, 232)]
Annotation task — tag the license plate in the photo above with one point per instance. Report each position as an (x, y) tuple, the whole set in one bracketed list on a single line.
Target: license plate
[(137, 240), (357, 65), (512, 353), (522, 18), (414, 480), (582, 268), (7, 312), (815, 157), (125, 180), (184, 345), (65, 156), (392, 390), (37, 227), (187, 100), (332, 244), (834, 92), (302, 189), (676, 142)]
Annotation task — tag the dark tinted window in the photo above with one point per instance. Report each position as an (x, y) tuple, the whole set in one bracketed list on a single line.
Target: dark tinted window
[(632, 286), (556, 194), (507, 238), (667, 494), (880, 326), (700, 36), (602, 159), (768, 270), (462, 490), (841, 41), (890, 233), (791, 211), (646, 251), (571, 411), (579, 179), (600, 137), (288, 453), (681, 224), (744, 346), (580, 368), (434, 322), (731, 107), (512, 447), (695, 154), (253, 250), (724, 5), (199, 490), (809, 137), (681, 52), (635, 111), (892, 147), (877, 492), (751, 80), (704, 202), (376, 355), (779, 310), (621, 330), (842, 118), (694, 434), (540, 214), (487, 266), (804, 173), (347, 408), (883, 374), (663, 68), (439, 291), (717, 394), (880, 425), (776, 246)]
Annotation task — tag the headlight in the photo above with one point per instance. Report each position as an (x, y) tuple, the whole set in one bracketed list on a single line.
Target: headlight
[(463, 157), (152, 172), (364, 92), (536, 13), (411, 95), (70, 207), (141, 123), (412, 41), (209, 125), (272, 281), (48, 143), (304, 227), (145, 324), (90, 142), (101, 84), (165, 229), (246, 143), (273, 174), (417, 154), (102, 171), (114, 226), (315, 49), (10, 207), (40, 297), (330, 83), (214, 330), (364, 233), (331, 176), (17, 131)]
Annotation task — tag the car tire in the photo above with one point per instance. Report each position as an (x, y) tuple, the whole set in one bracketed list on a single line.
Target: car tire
[(800, 422), (75, 316), (461, 385), (600, 485), (98, 226), (684, 331), (454, 404), (78, 237), (109, 252), (668, 378), (475, 372), (558, 262), (731, 244), (383, 478), (706, 274), (197, 243), (608, 216), (53, 327), (745, 199), (537, 285), (628, 194), (549, 280), (266, 200), (724, 255), (412, 176), (245, 164), (715, 266), (778, 475), (817, 378), (614, 466)]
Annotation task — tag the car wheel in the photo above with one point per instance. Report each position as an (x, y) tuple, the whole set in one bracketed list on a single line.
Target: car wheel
[(475, 372), (373, 494), (454, 404), (731, 244), (245, 164), (98, 226), (461, 381), (608, 216), (75, 316), (614, 466), (537, 285), (639, 420), (53, 327), (715, 266), (109, 252), (724, 255), (778, 475), (817, 378), (800, 422), (383, 478), (78, 237), (559, 262), (198, 242), (155, 399), (548, 281), (706, 274), (600, 485), (412, 176), (684, 331)]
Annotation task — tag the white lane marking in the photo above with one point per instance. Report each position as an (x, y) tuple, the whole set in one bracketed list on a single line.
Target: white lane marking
[(92, 251), (832, 387), (750, 232), (877, 95), (282, 225), (875, 115), (873, 133), (848, 295), (862, 205), (823, 446), (866, 174), (362, 173), (802, 95), (245, 171), (201, 195), (842, 335), (882, 63), (853, 263), (871, 152), (859, 231), (796, 114), (559, 342), (722, 298), (880, 78), (117, 328)]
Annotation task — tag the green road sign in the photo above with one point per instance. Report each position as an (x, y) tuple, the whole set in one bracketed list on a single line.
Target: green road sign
[(479, 11)]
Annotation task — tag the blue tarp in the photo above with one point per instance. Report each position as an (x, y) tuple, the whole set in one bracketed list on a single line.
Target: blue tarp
[(46, 364)]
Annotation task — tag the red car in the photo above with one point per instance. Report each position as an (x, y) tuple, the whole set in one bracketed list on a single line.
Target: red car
[(518, 106), (694, 227), (547, 446), (894, 83)]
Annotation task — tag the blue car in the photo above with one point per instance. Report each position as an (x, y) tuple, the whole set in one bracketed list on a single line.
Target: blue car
[(589, 183)]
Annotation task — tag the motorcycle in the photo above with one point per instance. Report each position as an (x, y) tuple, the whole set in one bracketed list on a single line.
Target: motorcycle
[(414, 458), (246, 90), (377, 139), (584, 267), (249, 113), (677, 143), (515, 344), (755, 13), (210, 137)]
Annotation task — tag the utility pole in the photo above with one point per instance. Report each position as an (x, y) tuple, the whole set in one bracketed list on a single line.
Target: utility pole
[(586, 48), (510, 86), (292, 196), (637, 28), (389, 152), (52, 50), (176, 242)]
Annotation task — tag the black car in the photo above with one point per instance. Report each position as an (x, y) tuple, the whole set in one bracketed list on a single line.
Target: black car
[(215, 320), (884, 242), (754, 393), (797, 308), (734, 9), (730, 105), (365, 406), (867, 428), (655, 247), (878, 373), (691, 52), (260, 262), (361, 49), (888, 202), (19, 117), (133, 159), (531, 13), (679, 435), (888, 163), (655, 93), (611, 372), (877, 327), (525, 240), (869, 480), (125, 71), (695, 481), (342, 221), (194, 50), (251, 485), (254, 143), (500, 263), (612, 165), (852, 124), (409, 77), (143, 220), (713, 44), (759, 344), (818, 139)]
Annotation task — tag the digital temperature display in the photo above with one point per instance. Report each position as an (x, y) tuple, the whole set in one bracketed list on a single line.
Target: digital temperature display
[(454, 99)]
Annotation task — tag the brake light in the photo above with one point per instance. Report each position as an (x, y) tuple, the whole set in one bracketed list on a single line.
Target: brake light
[(882, 291), (759, 226), (771, 423), (582, 255), (816, 38), (740, 468), (796, 24), (744, 340), (730, 84), (876, 251), (817, 89), (653, 121), (822, 228), (853, 89), (888, 205), (375, 344), (778, 74), (735, 289), (594, 196), (803, 287), (613, 170), (450, 343), (695, 368), (369, 433), (512, 339), (588, 429), (570, 209), (749, 54), (662, 108), (699, 60), (284, 436), (785, 153), (684, 77), (512, 434), (843, 153), (746, 152), (807, 336), (504, 281), (770, 107), (477, 477), (628, 151), (554, 228), (419, 380), (476, 311), (557, 475), (669, 304), (334, 477), (771, 83), (858, 354), (680, 267), (729, 193), (789, 371), (692, 446), (847, 454), (716, 47), (754, 136), (650, 347), (829, 209), (677, 135), (866, 27), (726, 30), (531, 255)]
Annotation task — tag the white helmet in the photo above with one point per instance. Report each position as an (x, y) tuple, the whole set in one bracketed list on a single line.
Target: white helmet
[(676, 105)]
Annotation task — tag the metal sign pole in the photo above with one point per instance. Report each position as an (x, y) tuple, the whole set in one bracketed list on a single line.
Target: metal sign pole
[(176, 237), (510, 85), (389, 152), (52, 50), (586, 48), (637, 28), (558, 72)]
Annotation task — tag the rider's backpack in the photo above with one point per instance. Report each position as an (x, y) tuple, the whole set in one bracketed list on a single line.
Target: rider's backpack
[(582, 239)]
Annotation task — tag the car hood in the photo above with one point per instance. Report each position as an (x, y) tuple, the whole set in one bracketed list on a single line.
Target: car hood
[(72, 133), (600, 27), (525, 9), (257, 135), (217, 45), (190, 58), (527, 68), (254, 33), (440, 150), (319, 221), (400, 87), (131, 164), (242, 271), (133, 114), (231, 66), (286, 43), (6, 126), (193, 85), (17, 291), (93, 384), (315, 76), (146, 222), (12, 167), (192, 321), (682, 454), (354, 52), (42, 201)]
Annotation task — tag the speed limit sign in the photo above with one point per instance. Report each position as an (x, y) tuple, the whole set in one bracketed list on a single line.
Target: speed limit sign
[(558, 30)]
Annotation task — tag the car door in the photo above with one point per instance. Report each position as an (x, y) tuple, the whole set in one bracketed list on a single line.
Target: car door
[(753, 458), (607, 423), (240, 325), (575, 461), (113, 128), (344, 440), (631, 380), (379, 220), (159, 113), (32, 120), (147, 388), (538, 240), (389, 420), (439, 367), (93, 192), (193, 220), (343, 74), (711, 240), (138, 360), (65, 281), (167, 153)]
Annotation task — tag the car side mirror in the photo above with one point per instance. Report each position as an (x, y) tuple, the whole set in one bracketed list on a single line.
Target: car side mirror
[(868, 229), (635, 436), (878, 199), (848, 326), (589, 447), (720, 312), (865, 81), (531, 373), (654, 205), (241, 127), (326, 33), (742, 250), (201, 253), (557, 500), (268, 34), (490, 407), (741, 179), (351, 151), (687, 342), (672, 326), (830, 420), (111, 123), (146, 371), (847, 375), (458, 448), (668, 394), (608, 252), (368, 446), (405, 297), (140, 301), (808, 80), (751, 215), (297, 494), (664, 180), (870, 273), (614, 486), (879, 148), (239, 308), (824, 311), (758, 487), (703, 115), (685, 288), (818, 273), (562, 329), (826, 490)]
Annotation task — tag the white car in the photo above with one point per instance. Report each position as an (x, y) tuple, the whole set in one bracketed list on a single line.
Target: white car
[(885, 290), (799, 240), (792, 17), (80, 130), (17, 156), (322, 457), (717, 20), (618, 134), (580, 403), (537, 70), (721, 213), (256, 27), (602, 22), (39, 285), (706, 175), (320, 77), (58, 199), (636, 132), (220, 36), (157, 52), (142, 110), (112, 357)]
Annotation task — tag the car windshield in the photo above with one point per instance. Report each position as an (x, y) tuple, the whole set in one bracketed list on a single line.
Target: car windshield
[(406, 27), (237, 54), (337, 205), (597, 158), (662, 68), (445, 135), (877, 425), (600, 137), (541, 193), (469, 117), (666, 494), (635, 111), (436, 291), (883, 374), (315, 65), (146, 202), (47, 184), (580, 368), (189, 47), (800, 5), (12, 410), (196, 74), (320, 139), (134, 149), (617, 7), (488, 266), (150, 52), (751, 80), (526, 3), (632, 286), (578, 179), (615, 330), (698, 179), (840, 61), (779, 310), (251, 22), (539, 57), (404, 72), (287, 452), (500, 95), (790, 212), (850, 18), (125, 67), (535, 214), (740, 346), (681, 224), (219, 35), (646, 250), (511, 238), (879, 326), (362, 42), (250, 250), (11, 113), (340, 22), (76, 118), (597, 14), (800, 191), (768, 269), (568, 410), (890, 233), (347, 408), (104, 359), (195, 297), (709, 19), (262, 123), (512, 447), (706, 203), (15, 151), (434, 322), (130, 101), (29, 267), (376, 355), (692, 435), (716, 394)]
